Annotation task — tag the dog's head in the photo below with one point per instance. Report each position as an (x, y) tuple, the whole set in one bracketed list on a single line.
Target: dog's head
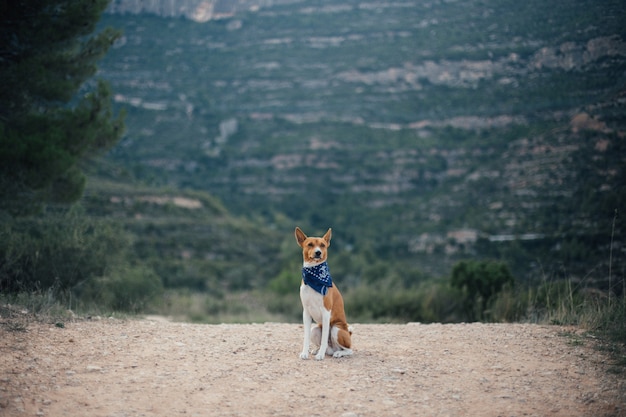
[(314, 249)]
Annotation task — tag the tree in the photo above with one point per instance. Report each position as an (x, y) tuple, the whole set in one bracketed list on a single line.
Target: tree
[(47, 53)]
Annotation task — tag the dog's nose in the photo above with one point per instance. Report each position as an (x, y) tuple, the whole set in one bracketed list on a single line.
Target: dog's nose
[(318, 253)]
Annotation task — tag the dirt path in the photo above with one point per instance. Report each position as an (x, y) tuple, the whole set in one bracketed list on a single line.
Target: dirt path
[(151, 368)]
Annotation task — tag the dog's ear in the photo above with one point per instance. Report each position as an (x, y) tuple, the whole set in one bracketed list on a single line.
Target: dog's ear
[(328, 235), (300, 236)]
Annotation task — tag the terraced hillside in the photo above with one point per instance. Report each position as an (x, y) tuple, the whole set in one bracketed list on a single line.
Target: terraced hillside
[(426, 131)]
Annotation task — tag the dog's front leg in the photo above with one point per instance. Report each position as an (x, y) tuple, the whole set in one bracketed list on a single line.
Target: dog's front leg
[(325, 331), (306, 322)]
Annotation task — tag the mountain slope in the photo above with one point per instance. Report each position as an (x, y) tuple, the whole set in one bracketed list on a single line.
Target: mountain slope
[(424, 131)]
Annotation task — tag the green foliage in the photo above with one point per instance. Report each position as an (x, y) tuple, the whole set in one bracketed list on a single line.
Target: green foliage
[(510, 306), (48, 51), (480, 282), (287, 306), (40, 154), (128, 289), (76, 259), (188, 238), (58, 251), (47, 54), (285, 283), (430, 301), (367, 303)]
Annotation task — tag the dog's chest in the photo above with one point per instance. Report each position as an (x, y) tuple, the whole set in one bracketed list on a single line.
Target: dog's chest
[(312, 302)]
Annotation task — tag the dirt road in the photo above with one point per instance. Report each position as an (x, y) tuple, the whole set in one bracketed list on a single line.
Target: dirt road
[(127, 368)]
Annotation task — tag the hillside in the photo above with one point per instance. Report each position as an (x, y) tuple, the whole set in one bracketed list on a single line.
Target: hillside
[(188, 238), (423, 132)]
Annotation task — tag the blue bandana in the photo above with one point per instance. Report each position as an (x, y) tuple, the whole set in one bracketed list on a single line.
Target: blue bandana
[(318, 277)]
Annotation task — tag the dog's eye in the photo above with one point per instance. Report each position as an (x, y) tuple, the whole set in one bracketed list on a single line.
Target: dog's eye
[(322, 246), (310, 245)]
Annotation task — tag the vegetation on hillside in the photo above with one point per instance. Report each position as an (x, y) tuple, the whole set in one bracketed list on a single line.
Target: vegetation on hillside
[(468, 174), (397, 133)]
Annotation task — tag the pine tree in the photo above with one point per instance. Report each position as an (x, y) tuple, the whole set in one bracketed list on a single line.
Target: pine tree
[(48, 53)]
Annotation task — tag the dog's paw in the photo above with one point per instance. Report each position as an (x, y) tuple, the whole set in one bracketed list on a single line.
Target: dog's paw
[(341, 353), (320, 355), (304, 355)]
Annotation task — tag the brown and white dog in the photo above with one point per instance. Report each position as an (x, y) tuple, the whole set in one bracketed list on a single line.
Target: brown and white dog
[(321, 301)]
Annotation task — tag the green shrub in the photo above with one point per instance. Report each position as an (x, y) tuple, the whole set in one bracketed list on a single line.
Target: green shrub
[(441, 303), (127, 289), (425, 303), (287, 282), (507, 306), (58, 251), (75, 259), (480, 282)]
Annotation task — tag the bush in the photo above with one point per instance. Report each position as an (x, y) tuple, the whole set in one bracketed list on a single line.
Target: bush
[(75, 259), (480, 281), (128, 289), (58, 251), (508, 306), (441, 303), (428, 302), (287, 282)]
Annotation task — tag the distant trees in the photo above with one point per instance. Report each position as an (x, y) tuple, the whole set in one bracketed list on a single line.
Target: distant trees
[(47, 52)]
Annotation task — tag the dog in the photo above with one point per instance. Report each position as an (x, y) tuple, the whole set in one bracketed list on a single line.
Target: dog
[(321, 301)]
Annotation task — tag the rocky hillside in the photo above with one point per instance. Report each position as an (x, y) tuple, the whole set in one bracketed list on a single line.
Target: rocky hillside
[(196, 10), (425, 131)]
